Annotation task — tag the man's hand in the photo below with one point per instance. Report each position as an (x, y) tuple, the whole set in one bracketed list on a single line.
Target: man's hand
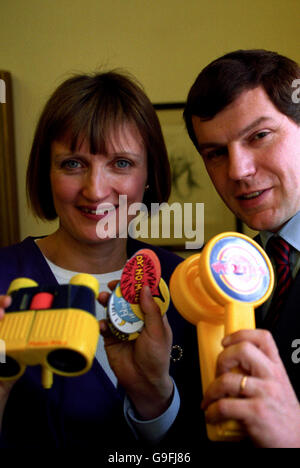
[(267, 406)]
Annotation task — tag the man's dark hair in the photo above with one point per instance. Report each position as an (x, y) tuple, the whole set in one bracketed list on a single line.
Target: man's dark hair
[(224, 79)]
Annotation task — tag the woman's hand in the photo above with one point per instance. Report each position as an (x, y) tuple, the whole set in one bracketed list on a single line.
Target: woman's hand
[(5, 386), (5, 302), (142, 365), (267, 405)]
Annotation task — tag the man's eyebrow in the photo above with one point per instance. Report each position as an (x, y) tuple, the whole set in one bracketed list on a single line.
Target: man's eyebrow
[(213, 144), (253, 125)]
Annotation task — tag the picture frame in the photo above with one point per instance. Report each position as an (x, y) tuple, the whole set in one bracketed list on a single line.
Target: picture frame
[(190, 182), (9, 214)]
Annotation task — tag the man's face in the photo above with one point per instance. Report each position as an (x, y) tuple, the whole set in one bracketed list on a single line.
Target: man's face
[(252, 154)]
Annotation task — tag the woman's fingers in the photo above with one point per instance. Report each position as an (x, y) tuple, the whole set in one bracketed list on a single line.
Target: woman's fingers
[(5, 302)]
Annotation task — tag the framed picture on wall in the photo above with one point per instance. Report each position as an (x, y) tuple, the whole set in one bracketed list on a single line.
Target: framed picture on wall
[(9, 216), (190, 183)]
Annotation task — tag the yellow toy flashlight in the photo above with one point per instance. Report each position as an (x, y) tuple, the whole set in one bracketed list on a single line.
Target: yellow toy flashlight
[(218, 291)]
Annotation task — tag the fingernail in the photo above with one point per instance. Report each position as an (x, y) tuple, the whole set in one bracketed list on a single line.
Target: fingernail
[(226, 340)]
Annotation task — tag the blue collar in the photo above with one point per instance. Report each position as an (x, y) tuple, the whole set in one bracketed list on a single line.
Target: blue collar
[(290, 232)]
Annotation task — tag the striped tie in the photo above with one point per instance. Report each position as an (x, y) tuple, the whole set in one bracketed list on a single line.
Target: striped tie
[(279, 250)]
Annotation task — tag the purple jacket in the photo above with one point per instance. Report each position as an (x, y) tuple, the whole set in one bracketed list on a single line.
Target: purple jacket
[(88, 410)]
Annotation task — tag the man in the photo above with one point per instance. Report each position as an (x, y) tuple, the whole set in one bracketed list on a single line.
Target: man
[(244, 121)]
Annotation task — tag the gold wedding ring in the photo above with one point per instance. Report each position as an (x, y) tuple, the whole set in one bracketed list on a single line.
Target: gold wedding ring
[(243, 384)]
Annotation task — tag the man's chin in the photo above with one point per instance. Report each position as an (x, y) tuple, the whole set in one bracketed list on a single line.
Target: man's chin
[(263, 223)]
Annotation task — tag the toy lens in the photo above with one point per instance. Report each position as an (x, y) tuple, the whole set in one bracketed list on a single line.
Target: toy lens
[(66, 360), (10, 368)]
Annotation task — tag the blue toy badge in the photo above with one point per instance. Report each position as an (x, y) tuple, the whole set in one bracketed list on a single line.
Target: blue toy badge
[(239, 269)]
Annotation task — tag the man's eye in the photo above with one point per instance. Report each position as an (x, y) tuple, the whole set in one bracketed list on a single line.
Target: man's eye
[(215, 154), (260, 135)]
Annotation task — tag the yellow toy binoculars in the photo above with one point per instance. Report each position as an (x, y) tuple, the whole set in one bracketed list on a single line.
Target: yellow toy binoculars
[(218, 291), (52, 326)]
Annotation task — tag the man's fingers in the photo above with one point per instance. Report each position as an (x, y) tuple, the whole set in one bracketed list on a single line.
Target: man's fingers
[(234, 385), (226, 409), (262, 339), (246, 356)]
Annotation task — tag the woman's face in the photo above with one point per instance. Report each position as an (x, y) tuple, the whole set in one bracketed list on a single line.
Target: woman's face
[(82, 181)]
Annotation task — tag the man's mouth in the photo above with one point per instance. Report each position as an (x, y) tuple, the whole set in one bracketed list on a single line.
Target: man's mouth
[(249, 196)]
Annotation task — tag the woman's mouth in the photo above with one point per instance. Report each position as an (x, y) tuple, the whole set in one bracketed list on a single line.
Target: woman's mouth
[(97, 212), (88, 210)]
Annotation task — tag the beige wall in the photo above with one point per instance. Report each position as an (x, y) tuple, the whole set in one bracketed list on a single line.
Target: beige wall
[(164, 43)]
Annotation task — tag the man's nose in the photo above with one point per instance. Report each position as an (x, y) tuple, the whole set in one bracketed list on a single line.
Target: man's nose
[(241, 162)]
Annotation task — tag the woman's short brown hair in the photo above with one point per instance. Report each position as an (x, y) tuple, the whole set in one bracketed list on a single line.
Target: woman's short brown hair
[(224, 79), (91, 107)]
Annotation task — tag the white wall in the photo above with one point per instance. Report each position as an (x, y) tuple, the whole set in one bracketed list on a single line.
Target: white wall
[(164, 43)]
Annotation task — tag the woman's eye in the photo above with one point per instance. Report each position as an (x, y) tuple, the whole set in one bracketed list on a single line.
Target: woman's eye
[(71, 164), (122, 164)]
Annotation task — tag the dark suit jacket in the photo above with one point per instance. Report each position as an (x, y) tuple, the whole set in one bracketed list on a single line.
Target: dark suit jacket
[(286, 330)]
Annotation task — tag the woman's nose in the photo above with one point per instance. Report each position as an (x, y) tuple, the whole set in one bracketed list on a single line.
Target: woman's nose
[(96, 185)]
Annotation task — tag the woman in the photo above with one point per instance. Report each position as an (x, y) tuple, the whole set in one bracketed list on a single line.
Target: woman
[(98, 138)]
